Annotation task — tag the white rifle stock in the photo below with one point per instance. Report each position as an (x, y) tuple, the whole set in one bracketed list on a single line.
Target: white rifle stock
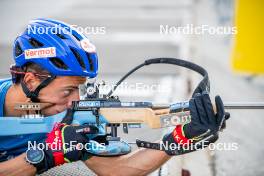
[(161, 117), (153, 118)]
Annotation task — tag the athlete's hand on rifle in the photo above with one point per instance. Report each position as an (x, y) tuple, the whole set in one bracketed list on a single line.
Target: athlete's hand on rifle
[(65, 143), (203, 128)]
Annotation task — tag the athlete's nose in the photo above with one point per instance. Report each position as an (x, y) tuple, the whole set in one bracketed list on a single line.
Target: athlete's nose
[(73, 98), (69, 104)]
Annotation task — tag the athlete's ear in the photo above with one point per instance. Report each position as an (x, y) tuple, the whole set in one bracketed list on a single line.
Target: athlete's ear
[(31, 81)]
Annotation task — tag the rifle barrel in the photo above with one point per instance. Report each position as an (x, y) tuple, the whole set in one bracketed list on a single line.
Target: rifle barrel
[(227, 105), (244, 105)]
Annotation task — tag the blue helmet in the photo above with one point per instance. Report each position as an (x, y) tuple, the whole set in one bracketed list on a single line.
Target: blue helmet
[(57, 47)]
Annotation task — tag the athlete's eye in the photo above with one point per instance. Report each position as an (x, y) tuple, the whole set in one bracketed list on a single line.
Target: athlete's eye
[(67, 92)]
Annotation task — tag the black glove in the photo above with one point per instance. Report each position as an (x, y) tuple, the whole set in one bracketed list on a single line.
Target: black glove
[(203, 128), (66, 143)]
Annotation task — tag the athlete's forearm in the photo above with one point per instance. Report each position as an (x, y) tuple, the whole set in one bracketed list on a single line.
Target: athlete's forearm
[(17, 166), (140, 162)]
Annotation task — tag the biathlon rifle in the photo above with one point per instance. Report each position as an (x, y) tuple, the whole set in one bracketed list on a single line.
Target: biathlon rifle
[(109, 111)]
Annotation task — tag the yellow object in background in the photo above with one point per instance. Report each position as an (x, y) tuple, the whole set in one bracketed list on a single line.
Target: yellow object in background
[(248, 51)]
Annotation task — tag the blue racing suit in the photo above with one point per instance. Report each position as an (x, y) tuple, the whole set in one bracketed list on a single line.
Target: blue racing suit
[(12, 146)]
